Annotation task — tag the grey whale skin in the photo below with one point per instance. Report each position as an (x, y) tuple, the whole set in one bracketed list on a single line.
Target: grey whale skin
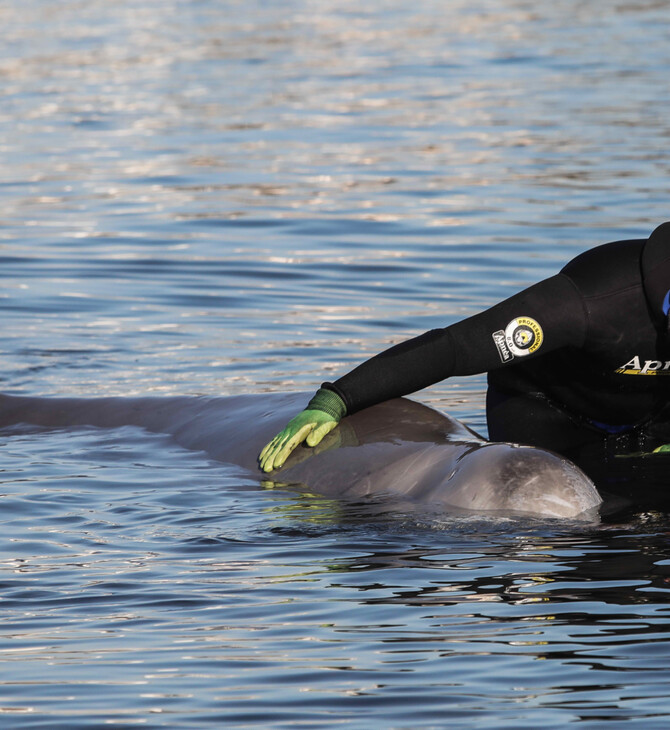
[(399, 448)]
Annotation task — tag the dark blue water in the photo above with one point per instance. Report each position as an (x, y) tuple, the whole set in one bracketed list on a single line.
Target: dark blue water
[(225, 197)]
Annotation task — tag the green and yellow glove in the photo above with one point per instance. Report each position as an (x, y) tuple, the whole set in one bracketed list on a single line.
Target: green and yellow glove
[(323, 413)]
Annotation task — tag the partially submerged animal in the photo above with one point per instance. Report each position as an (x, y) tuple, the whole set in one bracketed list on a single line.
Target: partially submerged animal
[(400, 449)]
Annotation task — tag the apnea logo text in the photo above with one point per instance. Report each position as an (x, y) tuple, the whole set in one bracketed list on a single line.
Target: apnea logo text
[(651, 367)]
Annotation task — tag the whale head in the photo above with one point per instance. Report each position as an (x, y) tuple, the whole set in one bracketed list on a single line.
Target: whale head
[(519, 479)]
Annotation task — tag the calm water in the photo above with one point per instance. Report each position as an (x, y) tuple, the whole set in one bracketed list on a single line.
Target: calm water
[(242, 197)]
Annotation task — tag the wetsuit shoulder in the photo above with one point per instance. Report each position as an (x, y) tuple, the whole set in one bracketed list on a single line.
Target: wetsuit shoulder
[(608, 268)]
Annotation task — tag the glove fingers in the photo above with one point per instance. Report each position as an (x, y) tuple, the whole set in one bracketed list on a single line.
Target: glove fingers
[(272, 447), (267, 456), (312, 425), (266, 449), (317, 434), (286, 448)]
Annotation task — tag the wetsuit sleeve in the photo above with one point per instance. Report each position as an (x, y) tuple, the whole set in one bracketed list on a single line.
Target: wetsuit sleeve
[(542, 318)]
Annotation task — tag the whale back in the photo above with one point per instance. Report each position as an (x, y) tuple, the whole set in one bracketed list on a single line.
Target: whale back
[(406, 450)]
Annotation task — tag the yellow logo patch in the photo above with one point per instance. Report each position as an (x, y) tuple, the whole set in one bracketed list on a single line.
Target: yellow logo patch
[(523, 336)]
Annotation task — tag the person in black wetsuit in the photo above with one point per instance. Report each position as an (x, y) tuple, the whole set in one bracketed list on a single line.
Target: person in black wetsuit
[(571, 360)]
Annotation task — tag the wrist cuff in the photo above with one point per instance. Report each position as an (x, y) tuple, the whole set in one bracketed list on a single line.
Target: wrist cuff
[(328, 402)]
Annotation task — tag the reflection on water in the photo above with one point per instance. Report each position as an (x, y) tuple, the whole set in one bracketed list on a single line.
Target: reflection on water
[(235, 197), (137, 575)]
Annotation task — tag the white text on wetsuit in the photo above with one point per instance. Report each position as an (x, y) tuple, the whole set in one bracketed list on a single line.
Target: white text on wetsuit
[(651, 367)]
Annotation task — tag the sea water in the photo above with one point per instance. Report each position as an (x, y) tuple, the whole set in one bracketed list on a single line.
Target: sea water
[(204, 197)]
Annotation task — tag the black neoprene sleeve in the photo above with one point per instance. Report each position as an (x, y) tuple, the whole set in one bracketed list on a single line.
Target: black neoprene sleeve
[(403, 368), (467, 347)]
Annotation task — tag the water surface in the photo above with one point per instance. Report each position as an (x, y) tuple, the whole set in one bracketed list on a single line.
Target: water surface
[(226, 197)]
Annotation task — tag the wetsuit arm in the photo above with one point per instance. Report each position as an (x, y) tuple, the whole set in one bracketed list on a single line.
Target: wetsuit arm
[(542, 318)]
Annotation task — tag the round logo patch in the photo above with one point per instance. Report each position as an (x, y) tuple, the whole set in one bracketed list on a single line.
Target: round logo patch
[(523, 336)]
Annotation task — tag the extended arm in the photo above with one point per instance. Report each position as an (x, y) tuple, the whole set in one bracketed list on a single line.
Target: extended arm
[(533, 322)]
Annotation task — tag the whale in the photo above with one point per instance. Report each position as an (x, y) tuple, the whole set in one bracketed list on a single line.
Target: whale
[(400, 450)]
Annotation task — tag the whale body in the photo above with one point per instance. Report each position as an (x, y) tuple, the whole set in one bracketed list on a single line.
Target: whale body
[(399, 449)]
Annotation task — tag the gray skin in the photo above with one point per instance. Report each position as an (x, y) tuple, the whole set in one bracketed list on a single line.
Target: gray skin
[(400, 449)]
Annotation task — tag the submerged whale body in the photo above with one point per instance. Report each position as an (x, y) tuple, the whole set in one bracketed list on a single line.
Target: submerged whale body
[(400, 449)]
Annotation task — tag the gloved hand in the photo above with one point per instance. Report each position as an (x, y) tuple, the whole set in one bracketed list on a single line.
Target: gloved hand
[(322, 414)]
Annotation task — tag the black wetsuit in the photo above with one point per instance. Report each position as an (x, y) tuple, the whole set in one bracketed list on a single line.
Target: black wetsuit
[(575, 357)]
